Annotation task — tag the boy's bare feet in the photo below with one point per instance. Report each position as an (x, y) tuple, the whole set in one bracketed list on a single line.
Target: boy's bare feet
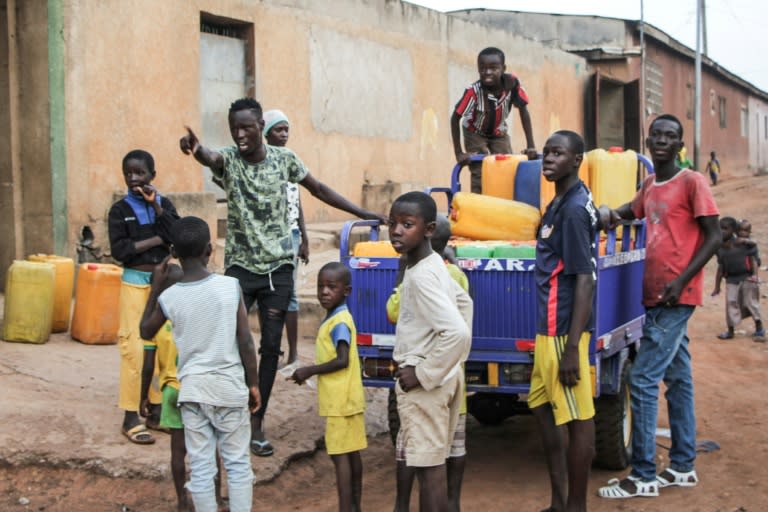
[(153, 420)]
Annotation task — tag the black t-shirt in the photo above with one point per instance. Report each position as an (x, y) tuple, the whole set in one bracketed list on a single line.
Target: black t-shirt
[(735, 260), (565, 247)]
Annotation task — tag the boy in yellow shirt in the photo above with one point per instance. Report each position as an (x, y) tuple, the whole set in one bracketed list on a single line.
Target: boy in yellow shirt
[(339, 384)]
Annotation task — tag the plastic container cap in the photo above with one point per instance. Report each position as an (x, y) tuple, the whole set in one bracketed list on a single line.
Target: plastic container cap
[(615, 149)]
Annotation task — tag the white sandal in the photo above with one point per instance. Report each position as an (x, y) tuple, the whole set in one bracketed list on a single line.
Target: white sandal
[(669, 477), (614, 490)]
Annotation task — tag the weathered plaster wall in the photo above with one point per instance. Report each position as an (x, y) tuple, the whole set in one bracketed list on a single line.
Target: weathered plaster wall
[(368, 85), (25, 173), (34, 126), (131, 82), (7, 216)]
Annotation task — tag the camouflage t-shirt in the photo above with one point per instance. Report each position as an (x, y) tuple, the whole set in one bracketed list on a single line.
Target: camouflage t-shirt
[(258, 229)]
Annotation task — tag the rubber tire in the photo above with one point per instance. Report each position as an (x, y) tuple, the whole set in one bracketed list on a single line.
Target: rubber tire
[(488, 408), (613, 446), (393, 417)]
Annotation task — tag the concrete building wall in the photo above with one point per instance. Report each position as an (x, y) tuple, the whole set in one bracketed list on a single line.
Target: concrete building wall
[(25, 173), (678, 88), (758, 134), (34, 126), (368, 86), (7, 213), (556, 30)]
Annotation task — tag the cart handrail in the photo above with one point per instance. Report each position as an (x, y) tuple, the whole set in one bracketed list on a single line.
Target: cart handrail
[(349, 226)]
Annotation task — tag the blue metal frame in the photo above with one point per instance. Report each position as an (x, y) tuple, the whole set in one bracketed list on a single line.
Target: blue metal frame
[(618, 320)]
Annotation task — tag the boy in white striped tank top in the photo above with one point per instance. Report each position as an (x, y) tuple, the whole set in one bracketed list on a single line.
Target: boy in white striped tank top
[(217, 365)]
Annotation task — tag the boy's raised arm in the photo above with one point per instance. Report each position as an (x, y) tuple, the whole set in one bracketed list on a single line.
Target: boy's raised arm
[(461, 157), (190, 144), (330, 197), (609, 219), (525, 120), (248, 356)]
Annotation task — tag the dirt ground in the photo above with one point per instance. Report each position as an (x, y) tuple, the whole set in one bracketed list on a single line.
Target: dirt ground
[(505, 465)]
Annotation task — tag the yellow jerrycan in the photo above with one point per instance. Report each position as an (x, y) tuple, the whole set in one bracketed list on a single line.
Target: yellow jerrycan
[(29, 296), (612, 176), (482, 217), (375, 249), (498, 175), (64, 283)]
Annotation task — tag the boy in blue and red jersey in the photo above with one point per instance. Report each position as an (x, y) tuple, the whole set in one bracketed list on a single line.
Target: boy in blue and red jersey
[(561, 388), (481, 114)]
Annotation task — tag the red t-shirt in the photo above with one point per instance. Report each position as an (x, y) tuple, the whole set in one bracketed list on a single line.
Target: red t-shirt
[(673, 234)]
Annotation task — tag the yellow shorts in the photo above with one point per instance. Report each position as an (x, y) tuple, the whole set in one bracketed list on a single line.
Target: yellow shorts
[(345, 434), (568, 403)]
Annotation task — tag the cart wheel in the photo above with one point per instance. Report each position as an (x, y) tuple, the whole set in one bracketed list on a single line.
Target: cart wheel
[(613, 426), (393, 416)]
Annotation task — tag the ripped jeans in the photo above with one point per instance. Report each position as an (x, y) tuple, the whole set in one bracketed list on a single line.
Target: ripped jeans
[(272, 293)]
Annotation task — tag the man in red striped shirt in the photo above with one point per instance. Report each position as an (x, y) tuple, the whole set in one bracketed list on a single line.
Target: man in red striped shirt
[(481, 114)]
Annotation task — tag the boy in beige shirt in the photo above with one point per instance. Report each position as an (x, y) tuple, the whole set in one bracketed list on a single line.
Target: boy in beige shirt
[(433, 338)]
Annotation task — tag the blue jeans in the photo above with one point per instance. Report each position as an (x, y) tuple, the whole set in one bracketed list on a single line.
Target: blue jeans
[(663, 354), (205, 427)]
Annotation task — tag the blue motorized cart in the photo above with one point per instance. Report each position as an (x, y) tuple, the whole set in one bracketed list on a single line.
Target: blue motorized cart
[(499, 366)]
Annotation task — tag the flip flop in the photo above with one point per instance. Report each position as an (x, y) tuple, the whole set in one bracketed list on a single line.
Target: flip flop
[(139, 435), (261, 448), (614, 490)]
